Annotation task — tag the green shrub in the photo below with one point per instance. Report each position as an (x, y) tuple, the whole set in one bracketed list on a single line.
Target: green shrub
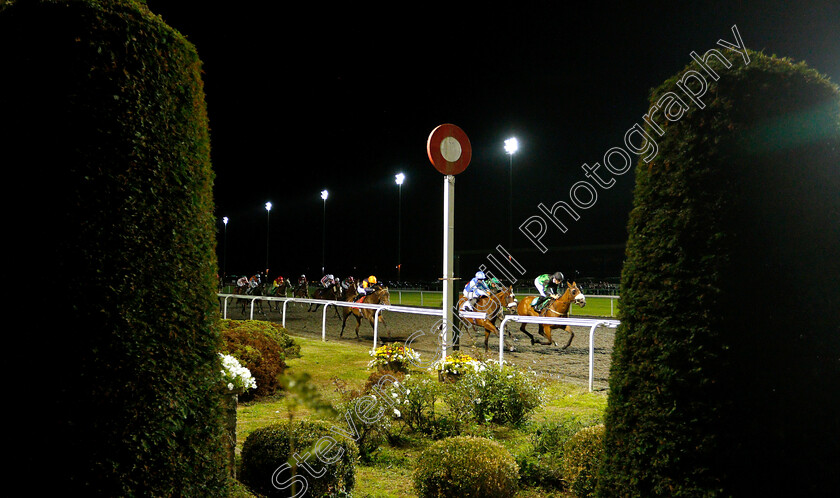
[(262, 348), (466, 466), (416, 399), (542, 464), (581, 460), (367, 413), (283, 457), (506, 395), (106, 117), (725, 362)]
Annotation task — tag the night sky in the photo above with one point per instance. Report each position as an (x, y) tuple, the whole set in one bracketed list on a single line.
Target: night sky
[(310, 97)]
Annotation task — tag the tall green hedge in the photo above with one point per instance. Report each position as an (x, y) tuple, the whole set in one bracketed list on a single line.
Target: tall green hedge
[(726, 365), (105, 133)]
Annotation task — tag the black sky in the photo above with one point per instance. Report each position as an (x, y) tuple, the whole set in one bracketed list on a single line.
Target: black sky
[(310, 97)]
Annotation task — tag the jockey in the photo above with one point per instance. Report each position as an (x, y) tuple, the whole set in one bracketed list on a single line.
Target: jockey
[(365, 287), (278, 282), (474, 289), (327, 280), (547, 283), (302, 282), (494, 285), (242, 282), (253, 283), (348, 282)]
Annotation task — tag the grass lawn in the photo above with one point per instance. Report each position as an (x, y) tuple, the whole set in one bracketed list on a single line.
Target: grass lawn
[(390, 474), (595, 306)]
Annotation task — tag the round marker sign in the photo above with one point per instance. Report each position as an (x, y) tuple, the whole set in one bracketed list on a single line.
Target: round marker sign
[(449, 149)]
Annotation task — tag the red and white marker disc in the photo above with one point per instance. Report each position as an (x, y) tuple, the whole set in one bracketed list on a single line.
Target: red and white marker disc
[(449, 149)]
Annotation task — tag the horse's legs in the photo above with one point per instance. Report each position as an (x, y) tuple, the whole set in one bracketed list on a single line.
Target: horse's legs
[(491, 327), (545, 331), (571, 335), (525, 331), (344, 321), (358, 324)]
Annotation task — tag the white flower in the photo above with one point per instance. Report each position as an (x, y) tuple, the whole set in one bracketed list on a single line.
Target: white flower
[(397, 413), (235, 375), (478, 401)]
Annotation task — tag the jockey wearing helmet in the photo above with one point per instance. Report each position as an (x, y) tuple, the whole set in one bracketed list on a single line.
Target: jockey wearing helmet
[(327, 280), (348, 282), (365, 287), (474, 289), (253, 283), (547, 283)]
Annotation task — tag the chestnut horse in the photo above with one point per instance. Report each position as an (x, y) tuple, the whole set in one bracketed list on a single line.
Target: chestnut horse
[(557, 308), (493, 305), (378, 296)]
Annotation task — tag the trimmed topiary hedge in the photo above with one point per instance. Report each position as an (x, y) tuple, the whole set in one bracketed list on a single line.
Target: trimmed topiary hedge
[(262, 348), (104, 126), (285, 458), (725, 368), (466, 466)]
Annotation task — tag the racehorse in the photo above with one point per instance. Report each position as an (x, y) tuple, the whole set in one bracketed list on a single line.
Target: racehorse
[(493, 306), (277, 291), (330, 293), (302, 290), (557, 308), (379, 296), (259, 290)]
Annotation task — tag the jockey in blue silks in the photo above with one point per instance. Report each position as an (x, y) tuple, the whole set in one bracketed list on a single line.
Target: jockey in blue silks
[(474, 289)]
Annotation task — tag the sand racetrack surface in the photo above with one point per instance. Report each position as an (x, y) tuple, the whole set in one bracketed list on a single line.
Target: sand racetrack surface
[(420, 332)]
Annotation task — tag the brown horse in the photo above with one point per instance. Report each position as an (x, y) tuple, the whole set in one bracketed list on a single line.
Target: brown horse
[(302, 290), (259, 290), (330, 293), (277, 291), (493, 306), (557, 308), (378, 296)]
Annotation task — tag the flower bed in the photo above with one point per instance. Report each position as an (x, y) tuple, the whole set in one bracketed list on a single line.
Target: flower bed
[(455, 365), (394, 357)]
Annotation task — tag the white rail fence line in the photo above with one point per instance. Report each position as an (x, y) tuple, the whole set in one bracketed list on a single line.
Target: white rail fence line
[(592, 323), (347, 304)]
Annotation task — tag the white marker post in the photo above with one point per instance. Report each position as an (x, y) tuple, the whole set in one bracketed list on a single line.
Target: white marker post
[(448, 258), (450, 152)]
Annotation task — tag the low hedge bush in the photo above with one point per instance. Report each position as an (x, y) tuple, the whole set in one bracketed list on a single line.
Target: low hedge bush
[(283, 458), (542, 463), (466, 466), (261, 347), (581, 460), (506, 395)]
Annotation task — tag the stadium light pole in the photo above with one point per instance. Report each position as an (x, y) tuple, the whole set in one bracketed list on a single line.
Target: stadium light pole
[(224, 250), (511, 146), (324, 195), (399, 178), (267, 226)]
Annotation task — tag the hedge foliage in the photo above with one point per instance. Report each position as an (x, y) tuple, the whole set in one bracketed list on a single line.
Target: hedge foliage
[(582, 455), (104, 124), (466, 466), (261, 347), (325, 461), (725, 364)]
